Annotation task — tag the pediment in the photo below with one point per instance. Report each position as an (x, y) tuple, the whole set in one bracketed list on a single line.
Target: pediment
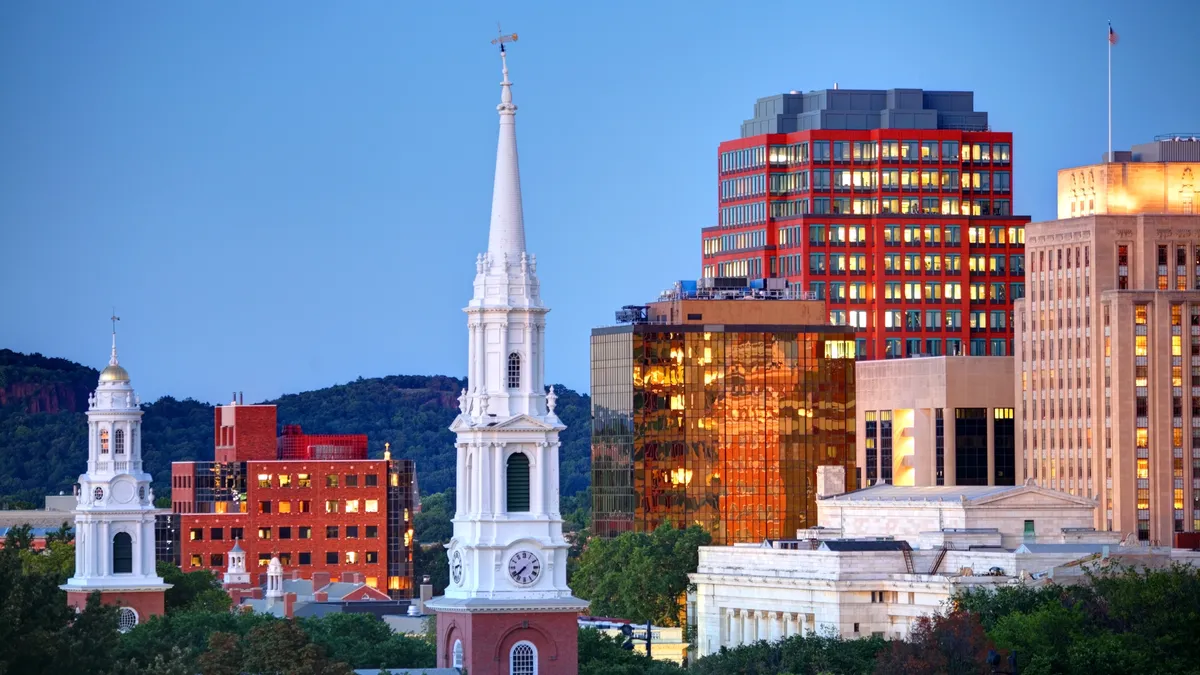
[(515, 423), (1030, 495)]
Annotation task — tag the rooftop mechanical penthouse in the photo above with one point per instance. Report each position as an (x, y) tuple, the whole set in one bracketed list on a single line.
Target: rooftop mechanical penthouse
[(894, 206)]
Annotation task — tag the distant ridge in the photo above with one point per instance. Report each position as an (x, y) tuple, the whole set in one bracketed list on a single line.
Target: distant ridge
[(43, 426)]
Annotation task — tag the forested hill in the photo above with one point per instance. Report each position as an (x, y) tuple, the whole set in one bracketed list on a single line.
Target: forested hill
[(43, 426)]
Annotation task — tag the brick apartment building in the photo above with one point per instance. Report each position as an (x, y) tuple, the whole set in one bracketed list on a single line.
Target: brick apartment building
[(316, 501)]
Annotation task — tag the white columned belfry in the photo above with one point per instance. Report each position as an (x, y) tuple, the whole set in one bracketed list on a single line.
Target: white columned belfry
[(114, 513), (508, 557)]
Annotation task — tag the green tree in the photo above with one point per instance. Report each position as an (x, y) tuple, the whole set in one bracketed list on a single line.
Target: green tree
[(365, 641), (639, 576), (431, 560), (432, 525), (942, 644), (65, 533), (200, 589), (601, 654), (56, 561), (279, 647), (224, 655)]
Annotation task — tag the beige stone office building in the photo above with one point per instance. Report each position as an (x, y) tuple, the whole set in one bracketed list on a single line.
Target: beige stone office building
[(1107, 343), (937, 420)]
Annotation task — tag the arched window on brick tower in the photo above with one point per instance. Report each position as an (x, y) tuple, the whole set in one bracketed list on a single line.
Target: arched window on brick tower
[(518, 483), (122, 553), (522, 660)]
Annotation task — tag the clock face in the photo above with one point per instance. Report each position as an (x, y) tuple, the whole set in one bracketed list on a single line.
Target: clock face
[(456, 568), (524, 567)]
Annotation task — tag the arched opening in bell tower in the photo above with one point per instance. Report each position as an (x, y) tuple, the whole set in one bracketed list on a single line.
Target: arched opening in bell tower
[(517, 484), (122, 553)]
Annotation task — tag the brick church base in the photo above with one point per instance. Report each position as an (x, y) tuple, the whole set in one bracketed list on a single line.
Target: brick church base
[(488, 638), (146, 603)]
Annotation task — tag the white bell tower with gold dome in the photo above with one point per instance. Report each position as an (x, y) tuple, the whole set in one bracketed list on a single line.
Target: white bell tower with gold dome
[(114, 513), (508, 608)]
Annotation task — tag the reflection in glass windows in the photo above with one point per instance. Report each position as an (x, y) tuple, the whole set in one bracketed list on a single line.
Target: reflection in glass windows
[(970, 446), (718, 429)]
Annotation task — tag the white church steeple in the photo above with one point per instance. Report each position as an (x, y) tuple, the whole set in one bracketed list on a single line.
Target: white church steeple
[(508, 545), (114, 515)]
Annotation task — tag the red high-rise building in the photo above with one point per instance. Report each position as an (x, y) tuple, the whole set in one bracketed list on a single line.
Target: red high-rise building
[(894, 206), (316, 501)]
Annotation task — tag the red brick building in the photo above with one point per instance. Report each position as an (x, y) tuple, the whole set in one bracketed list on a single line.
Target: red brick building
[(316, 501), (895, 207)]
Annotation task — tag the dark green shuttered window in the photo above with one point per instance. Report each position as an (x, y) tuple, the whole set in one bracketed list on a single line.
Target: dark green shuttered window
[(518, 482)]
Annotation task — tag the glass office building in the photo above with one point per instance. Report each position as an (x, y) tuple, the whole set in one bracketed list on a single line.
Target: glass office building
[(720, 426)]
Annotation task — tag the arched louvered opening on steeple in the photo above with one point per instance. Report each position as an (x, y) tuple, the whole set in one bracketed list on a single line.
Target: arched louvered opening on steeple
[(122, 553), (517, 489), (119, 441), (514, 371), (104, 441)]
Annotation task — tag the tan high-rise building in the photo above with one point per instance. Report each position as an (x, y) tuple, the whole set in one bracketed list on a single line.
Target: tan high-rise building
[(1107, 348)]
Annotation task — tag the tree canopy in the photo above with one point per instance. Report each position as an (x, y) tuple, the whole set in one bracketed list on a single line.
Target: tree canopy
[(640, 576)]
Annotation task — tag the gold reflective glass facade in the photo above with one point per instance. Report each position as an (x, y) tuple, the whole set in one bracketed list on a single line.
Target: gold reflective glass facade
[(722, 429)]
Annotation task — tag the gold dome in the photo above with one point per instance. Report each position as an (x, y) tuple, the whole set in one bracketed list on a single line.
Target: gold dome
[(114, 373)]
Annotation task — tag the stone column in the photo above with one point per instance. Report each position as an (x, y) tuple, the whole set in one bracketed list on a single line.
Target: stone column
[(735, 628), (480, 358), (502, 385), (789, 624), (103, 548), (760, 625), (472, 354), (483, 470), (552, 479), (747, 627), (460, 497), (541, 477), (949, 447), (498, 476), (541, 358), (774, 627)]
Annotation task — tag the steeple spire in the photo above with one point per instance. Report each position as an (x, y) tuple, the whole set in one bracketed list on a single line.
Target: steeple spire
[(112, 361), (507, 231)]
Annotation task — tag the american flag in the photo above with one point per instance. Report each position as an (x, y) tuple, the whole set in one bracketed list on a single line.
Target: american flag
[(1112, 35)]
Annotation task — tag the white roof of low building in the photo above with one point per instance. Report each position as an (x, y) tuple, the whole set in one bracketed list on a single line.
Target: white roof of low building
[(977, 494)]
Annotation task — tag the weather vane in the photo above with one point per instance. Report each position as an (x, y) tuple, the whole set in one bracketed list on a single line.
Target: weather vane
[(502, 39), (114, 318)]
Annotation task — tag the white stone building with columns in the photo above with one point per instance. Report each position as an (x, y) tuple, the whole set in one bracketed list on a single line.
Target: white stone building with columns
[(886, 555)]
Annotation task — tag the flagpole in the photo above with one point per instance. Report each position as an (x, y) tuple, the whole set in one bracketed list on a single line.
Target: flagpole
[(1109, 40)]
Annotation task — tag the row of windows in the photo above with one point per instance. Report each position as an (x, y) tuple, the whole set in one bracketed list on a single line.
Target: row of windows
[(913, 235), (118, 439), (744, 214), (899, 348), (872, 151), (744, 186), (735, 242), (302, 558), (916, 263), (285, 532), (304, 480), (917, 291), (746, 158), (918, 320), (825, 180), (747, 267)]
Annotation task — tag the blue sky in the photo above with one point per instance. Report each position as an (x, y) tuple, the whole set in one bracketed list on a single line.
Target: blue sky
[(279, 196)]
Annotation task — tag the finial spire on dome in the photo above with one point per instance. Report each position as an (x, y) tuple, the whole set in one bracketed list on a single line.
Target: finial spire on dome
[(506, 234), (112, 361)]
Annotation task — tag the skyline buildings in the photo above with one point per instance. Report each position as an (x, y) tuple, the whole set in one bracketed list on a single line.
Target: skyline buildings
[(329, 178), (715, 409), (1108, 348), (314, 501), (893, 206)]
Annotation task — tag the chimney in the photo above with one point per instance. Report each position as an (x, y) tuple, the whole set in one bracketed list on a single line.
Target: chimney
[(295, 574), (835, 86), (234, 399), (289, 602), (831, 481), (426, 592), (320, 597), (235, 596), (320, 580), (256, 593)]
